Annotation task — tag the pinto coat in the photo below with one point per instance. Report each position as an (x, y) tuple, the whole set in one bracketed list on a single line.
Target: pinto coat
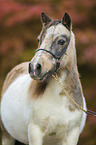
[(34, 108)]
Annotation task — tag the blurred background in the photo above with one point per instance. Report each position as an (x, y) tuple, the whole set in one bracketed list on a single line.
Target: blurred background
[(20, 25)]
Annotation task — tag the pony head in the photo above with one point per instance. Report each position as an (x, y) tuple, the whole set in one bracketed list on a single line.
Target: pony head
[(56, 47)]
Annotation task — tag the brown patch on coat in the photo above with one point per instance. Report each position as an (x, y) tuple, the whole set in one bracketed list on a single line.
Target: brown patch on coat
[(51, 140), (73, 86), (62, 93), (45, 124), (36, 89), (13, 74), (71, 107)]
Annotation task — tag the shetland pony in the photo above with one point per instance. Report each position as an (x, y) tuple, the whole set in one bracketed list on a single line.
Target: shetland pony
[(34, 108)]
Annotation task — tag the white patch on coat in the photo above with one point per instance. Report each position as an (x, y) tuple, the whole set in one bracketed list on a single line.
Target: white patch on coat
[(13, 108)]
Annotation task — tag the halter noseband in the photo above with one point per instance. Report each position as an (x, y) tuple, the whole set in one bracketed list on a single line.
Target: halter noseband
[(56, 57)]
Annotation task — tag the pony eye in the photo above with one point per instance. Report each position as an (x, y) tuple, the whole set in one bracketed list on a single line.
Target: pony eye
[(61, 42)]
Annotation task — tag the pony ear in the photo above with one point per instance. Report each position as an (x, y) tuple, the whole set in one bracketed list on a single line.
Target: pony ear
[(66, 21), (45, 19)]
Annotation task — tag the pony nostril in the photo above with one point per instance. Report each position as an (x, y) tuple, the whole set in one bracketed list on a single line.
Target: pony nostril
[(38, 69), (30, 68), (34, 69)]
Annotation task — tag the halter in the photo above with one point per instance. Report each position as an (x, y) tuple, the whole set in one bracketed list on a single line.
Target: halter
[(56, 57)]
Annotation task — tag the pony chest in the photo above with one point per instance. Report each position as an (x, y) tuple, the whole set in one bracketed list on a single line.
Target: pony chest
[(53, 114)]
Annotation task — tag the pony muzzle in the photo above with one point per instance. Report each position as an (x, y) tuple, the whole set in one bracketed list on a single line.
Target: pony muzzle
[(35, 70), (43, 65)]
